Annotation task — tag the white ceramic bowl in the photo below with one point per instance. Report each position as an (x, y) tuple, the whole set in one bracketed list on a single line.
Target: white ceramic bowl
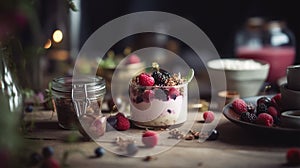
[(290, 119), (246, 76)]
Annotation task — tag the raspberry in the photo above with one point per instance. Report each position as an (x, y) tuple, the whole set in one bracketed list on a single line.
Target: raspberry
[(146, 79), (273, 111), (148, 95), (293, 156), (133, 59), (276, 100), (208, 116), (265, 119), (248, 117), (123, 123), (239, 106), (150, 138), (173, 93), (119, 114), (160, 77), (50, 163)]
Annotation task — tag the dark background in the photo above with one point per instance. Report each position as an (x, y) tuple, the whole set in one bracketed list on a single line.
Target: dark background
[(218, 19)]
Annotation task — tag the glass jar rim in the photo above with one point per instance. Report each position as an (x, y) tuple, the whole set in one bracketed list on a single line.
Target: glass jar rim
[(185, 83), (66, 83)]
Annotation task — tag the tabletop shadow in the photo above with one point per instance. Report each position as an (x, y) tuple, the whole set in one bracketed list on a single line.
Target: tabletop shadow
[(236, 135)]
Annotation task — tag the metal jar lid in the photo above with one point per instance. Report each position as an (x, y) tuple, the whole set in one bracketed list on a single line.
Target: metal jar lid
[(95, 85)]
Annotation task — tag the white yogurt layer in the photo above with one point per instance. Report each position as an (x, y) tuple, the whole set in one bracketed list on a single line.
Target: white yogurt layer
[(157, 112), (235, 64)]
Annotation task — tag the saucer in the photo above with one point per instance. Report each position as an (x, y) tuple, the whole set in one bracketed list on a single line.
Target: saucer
[(291, 119)]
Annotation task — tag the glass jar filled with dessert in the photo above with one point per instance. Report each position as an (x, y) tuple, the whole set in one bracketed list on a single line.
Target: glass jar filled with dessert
[(158, 98)]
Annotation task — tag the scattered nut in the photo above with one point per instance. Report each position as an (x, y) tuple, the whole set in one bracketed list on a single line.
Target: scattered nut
[(149, 158), (189, 137)]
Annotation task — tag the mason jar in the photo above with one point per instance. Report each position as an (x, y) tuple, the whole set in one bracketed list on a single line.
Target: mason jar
[(271, 41), (79, 99)]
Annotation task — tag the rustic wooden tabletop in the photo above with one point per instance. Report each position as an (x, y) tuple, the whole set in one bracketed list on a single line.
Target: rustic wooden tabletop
[(235, 147)]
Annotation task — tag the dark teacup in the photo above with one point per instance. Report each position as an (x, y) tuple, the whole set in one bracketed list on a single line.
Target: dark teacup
[(293, 77)]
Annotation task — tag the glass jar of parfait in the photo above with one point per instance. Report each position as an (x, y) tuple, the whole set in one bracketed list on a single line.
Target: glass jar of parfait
[(158, 99)]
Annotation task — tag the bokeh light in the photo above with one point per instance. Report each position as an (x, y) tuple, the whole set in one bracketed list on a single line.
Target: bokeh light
[(48, 44), (57, 36)]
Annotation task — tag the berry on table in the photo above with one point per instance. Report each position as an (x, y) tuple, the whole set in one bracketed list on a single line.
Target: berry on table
[(248, 117), (150, 138), (123, 123), (47, 151), (214, 134), (293, 156), (35, 158), (132, 149), (133, 59), (111, 122), (29, 108), (118, 122), (265, 119), (146, 79), (239, 106), (208, 116), (50, 163), (99, 152)]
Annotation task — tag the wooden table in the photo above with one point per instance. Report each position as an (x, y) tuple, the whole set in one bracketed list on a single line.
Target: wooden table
[(235, 147)]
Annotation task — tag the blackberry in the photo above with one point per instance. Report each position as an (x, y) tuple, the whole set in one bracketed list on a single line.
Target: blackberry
[(47, 151), (264, 100), (251, 108), (29, 108), (160, 77), (261, 108), (248, 117), (139, 99), (111, 122), (161, 94), (276, 121), (213, 135), (141, 89), (99, 151), (35, 158)]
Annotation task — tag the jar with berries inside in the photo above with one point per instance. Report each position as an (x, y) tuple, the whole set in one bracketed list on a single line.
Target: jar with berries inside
[(158, 98)]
